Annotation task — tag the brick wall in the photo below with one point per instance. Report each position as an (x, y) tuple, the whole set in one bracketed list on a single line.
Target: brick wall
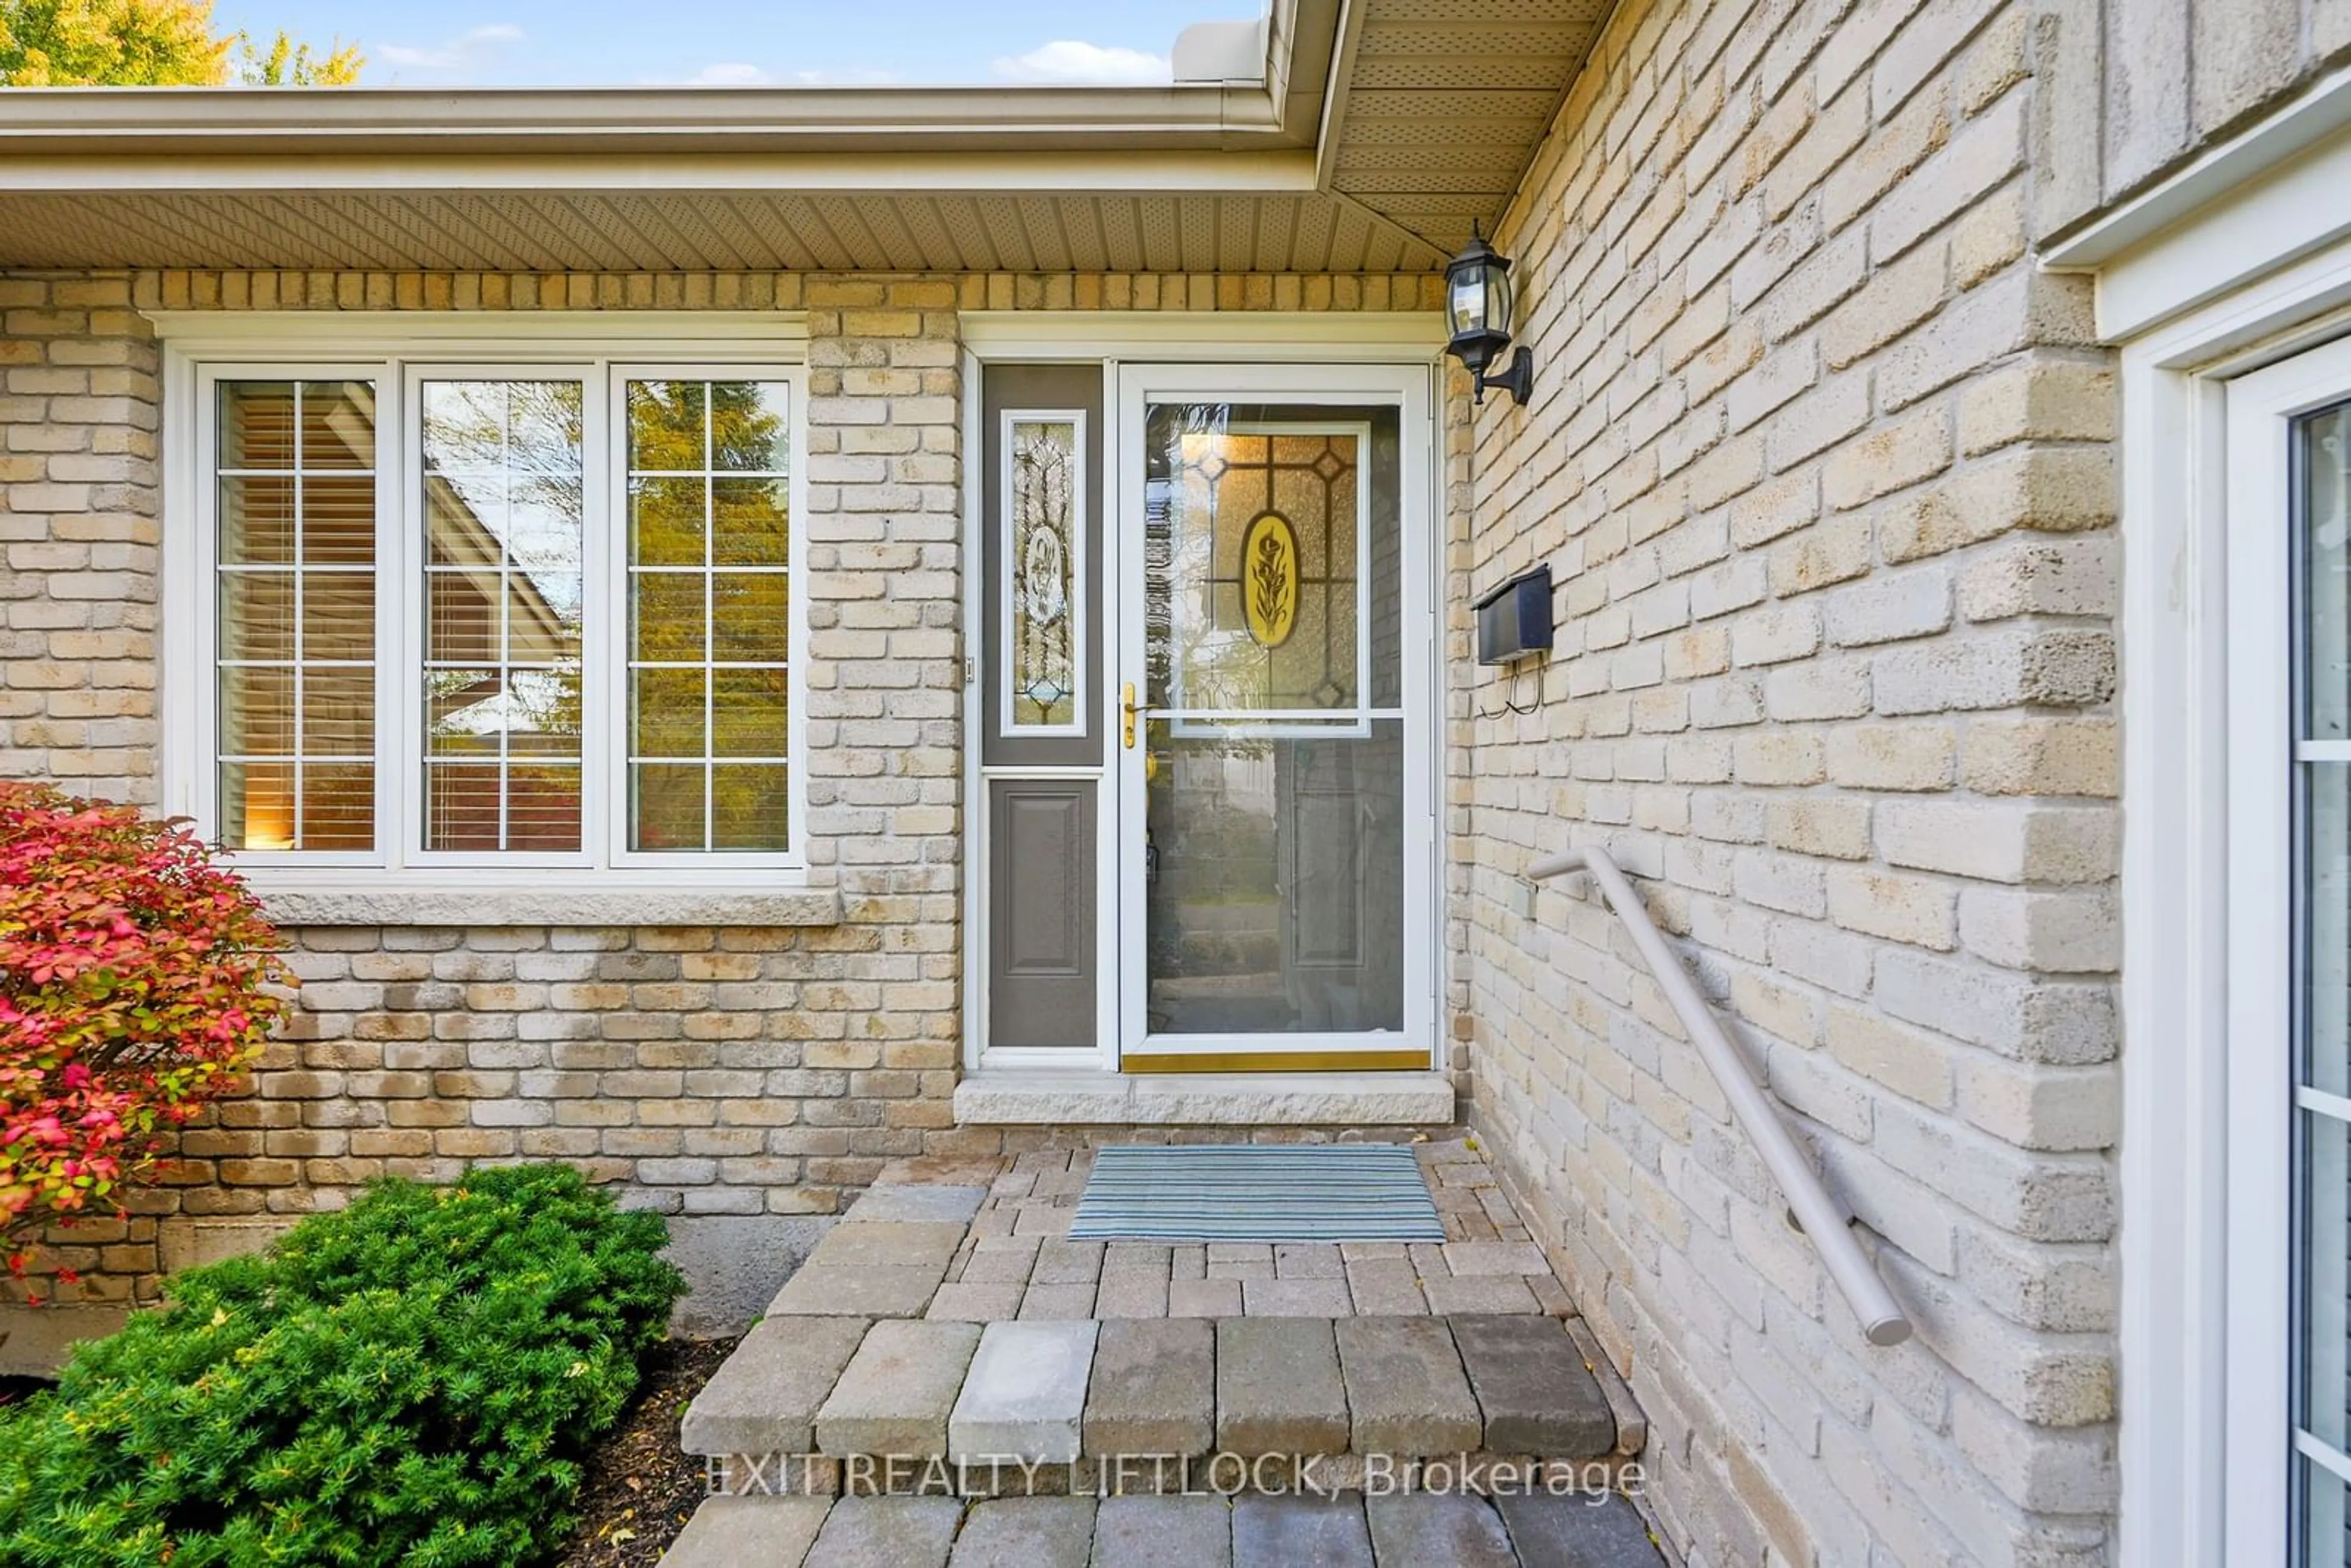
[(182, 289), (735, 1070), (1820, 461), (78, 503), (2140, 86), (713, 1073)]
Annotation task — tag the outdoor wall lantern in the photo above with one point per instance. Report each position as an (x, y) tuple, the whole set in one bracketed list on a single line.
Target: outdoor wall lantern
[(1477, 310)]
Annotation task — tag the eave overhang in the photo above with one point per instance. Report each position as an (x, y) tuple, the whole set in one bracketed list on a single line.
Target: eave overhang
[(1355, 147), (46, 129)]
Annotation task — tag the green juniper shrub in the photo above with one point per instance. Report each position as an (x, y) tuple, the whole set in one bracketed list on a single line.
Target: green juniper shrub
[(410, 1381)]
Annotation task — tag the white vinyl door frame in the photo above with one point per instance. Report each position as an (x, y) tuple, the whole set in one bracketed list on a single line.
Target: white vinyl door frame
[(1406, 387), (1319, 352)]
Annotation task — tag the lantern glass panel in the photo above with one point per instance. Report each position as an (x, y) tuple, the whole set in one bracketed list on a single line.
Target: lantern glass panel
[(1465, 301), (1498, 298)]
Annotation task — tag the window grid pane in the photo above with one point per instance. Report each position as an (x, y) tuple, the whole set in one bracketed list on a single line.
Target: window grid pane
[(504, 512), (2326, 1507), (709, 623), (294, 475)]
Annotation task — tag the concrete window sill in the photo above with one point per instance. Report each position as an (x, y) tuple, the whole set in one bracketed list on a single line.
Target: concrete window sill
[(584, 907), (1012, 1098)]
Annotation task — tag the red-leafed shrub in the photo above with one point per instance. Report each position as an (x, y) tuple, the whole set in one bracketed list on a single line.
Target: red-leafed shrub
[(134, 987)]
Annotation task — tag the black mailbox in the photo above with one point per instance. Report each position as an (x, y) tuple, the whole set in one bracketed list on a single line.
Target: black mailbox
[(1515, 619)]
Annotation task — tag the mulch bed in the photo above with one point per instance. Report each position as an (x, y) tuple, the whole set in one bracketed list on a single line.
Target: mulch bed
[(641, 1486)]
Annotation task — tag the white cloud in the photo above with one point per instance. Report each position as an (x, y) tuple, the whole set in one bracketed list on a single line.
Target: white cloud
[(849, 78), (468, 50), (728, 73), (742, 73), (1068, 62)]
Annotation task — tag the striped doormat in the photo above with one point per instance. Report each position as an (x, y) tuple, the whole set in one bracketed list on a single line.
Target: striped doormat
[(1252, 1192)]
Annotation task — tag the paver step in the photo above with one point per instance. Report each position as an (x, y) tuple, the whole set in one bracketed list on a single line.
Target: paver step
[(1161, 1402), (894, 1396), (1025, 1393), (1349, 1530), (853, 1404), (923, 1334)]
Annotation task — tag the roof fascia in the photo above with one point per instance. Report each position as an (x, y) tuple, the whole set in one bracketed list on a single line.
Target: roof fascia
[(1331, 111), (421, 119), (1076, 172), (315, 139)]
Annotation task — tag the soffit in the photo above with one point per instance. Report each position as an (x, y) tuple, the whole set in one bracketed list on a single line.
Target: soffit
[(1444, 103), (632, 231)]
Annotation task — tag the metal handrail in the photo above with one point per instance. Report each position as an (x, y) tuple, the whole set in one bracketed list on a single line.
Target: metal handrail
[(1809, 1203)]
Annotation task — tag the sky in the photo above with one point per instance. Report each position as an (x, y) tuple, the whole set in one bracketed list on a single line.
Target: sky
[(603, 43)]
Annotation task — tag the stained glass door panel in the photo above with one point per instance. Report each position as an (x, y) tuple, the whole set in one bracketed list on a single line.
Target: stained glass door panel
[(1044, 594)]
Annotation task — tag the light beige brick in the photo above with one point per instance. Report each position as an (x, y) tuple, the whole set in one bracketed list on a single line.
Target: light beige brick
[(2038, 399), (2000, 840), (1829, 826), (2053, 489), (1989, 237), (2034, 664), (1775, 635), (1779, 757), (1831, 552), (1898, 146), (1818, 689), (1980, 155), (1896, 298), (1889, 607), (1886, 460), (1908, 757), (2073, 932), (2043, 577), (2039, 1108), (1785, 1012), (1900, 908), (1909, 1061), (2042, 756)]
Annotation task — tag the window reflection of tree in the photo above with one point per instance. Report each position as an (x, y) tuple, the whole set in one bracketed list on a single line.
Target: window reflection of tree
[(710, 530), (504, 492)]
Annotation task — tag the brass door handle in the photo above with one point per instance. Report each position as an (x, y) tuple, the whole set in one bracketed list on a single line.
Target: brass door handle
[(1127, 710)]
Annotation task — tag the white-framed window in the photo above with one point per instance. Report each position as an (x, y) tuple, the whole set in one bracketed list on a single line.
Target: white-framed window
[(527, 615)]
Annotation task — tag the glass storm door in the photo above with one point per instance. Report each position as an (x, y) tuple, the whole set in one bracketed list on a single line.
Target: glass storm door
[(2320, 452), (1276, 767), (2288, 1196)]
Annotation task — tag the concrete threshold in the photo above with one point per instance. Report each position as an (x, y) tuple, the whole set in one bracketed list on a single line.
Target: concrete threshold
[(1066, 1098)]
